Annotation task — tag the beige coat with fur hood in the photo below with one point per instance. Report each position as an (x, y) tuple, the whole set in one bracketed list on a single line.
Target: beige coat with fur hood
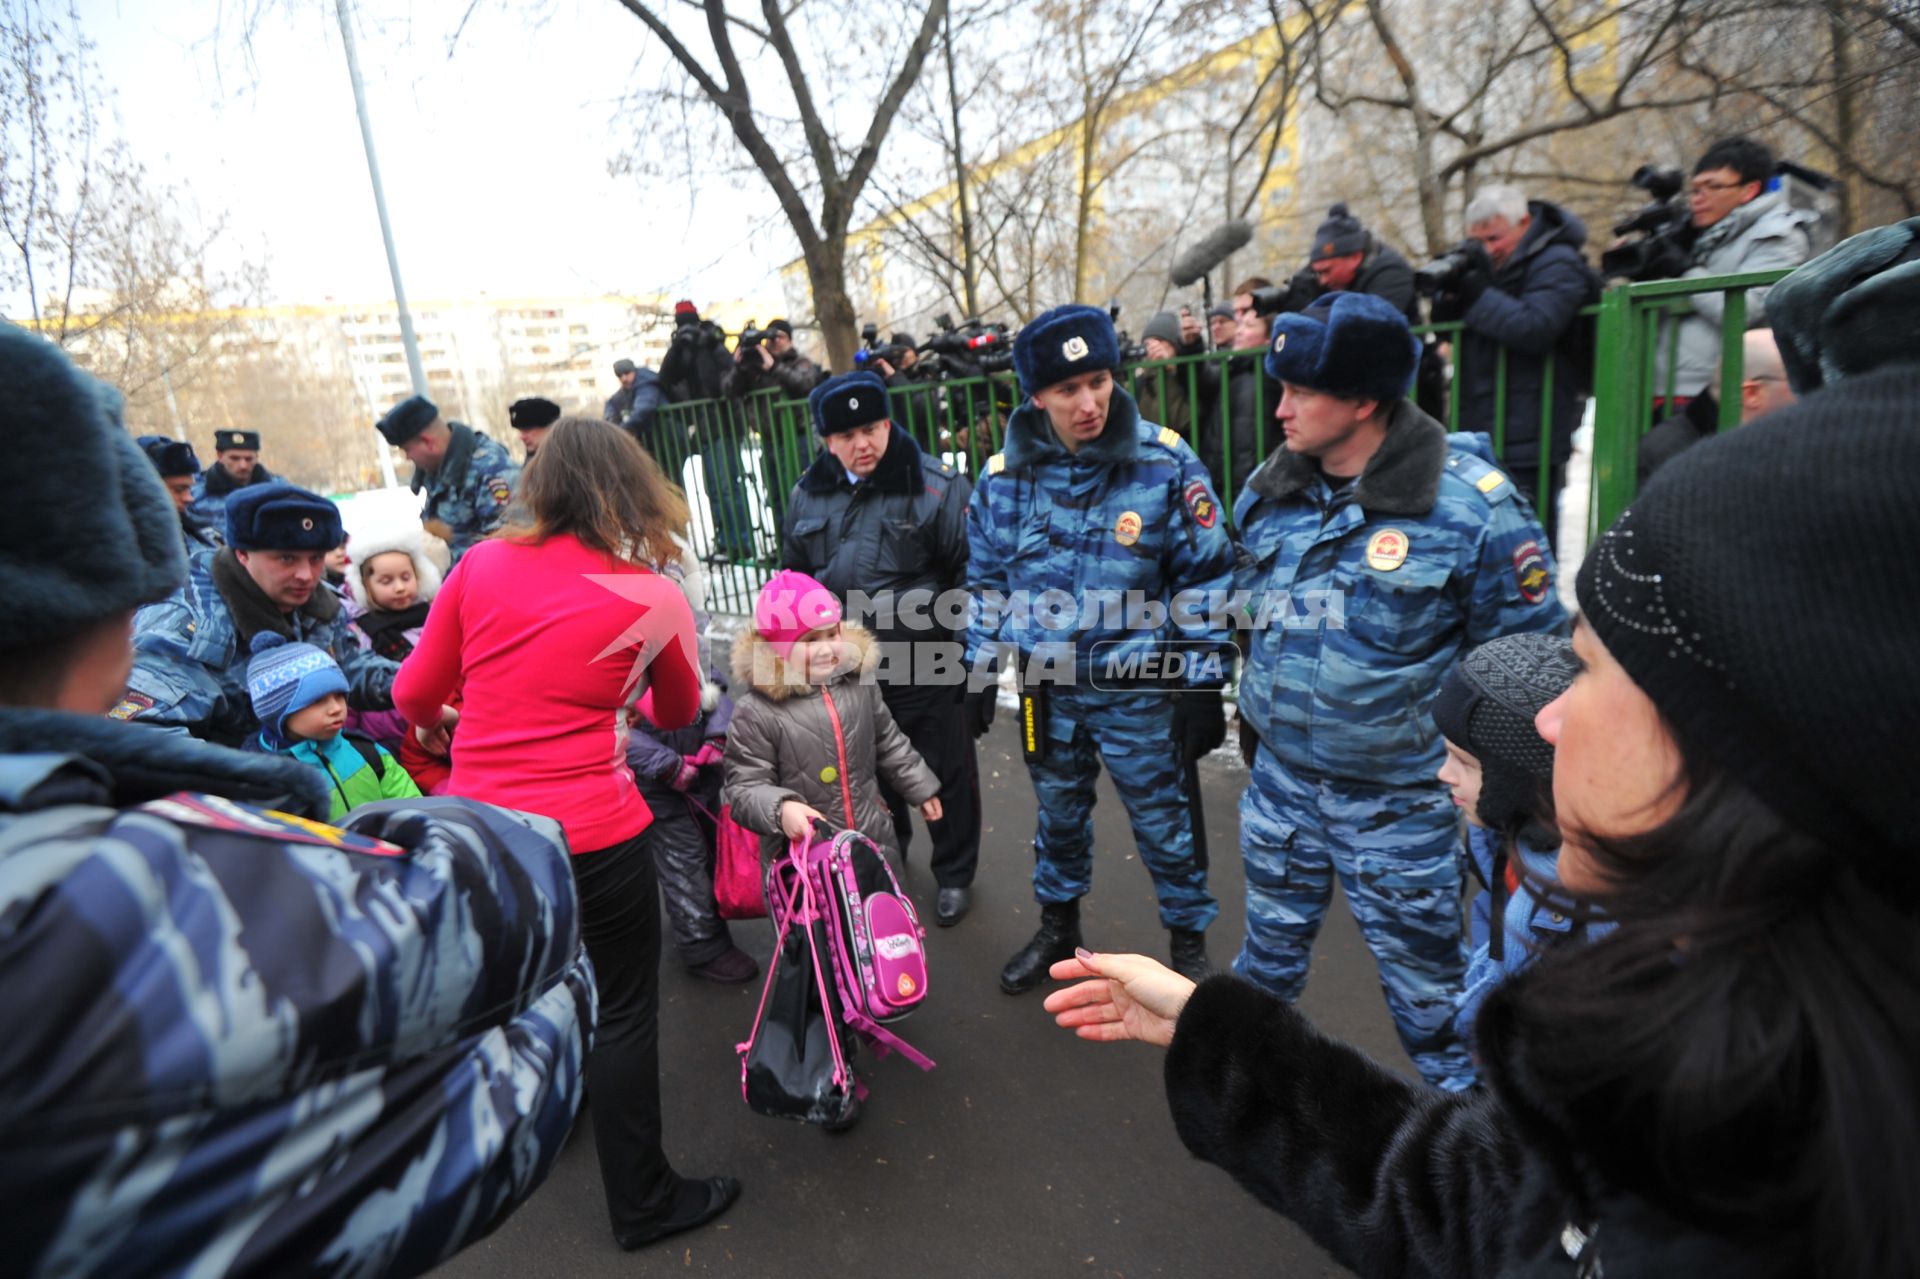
[(780, 745)]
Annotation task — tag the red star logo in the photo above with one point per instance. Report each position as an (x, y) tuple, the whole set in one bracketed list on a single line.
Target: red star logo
[(647, 634)]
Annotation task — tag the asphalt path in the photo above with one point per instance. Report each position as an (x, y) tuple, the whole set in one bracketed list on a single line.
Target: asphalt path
[(1026, 1152)]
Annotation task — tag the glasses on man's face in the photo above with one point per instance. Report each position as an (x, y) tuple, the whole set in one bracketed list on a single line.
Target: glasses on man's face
[(1703, 187)]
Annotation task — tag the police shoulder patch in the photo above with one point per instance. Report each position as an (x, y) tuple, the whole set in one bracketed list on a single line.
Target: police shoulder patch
[(1169, 436), (996, 464), (1488, 480), (499, 490), (130, 705)]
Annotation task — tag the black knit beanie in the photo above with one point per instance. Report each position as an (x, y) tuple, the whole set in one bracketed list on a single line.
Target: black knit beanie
[(1486, 706), (1338, 236), (1764, 591)]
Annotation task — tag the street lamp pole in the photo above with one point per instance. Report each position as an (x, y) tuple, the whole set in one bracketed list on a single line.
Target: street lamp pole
[(414, 366)]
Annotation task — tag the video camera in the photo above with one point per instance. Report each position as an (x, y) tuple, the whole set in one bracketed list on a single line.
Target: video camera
[(968, 350), (1443, 273), (873, 350), (1662, 226), (1131, 352)]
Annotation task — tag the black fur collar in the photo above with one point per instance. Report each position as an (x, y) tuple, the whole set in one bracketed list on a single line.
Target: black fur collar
[(220, 481), (121, 764), (1403, 478), (1030, 436), (898, 471), (252, 611)]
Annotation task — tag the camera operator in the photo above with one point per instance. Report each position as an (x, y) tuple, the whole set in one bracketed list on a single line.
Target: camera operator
[(916, 403), (696, 361), (1347, 257), (1735, 225), (1518, 282), (763, 360), (773, 361)]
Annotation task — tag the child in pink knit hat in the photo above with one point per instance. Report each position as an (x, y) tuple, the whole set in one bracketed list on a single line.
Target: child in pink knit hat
[(810, 737)]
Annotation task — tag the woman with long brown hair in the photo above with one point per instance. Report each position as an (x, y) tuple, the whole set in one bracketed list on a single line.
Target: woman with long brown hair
[(552, 628)]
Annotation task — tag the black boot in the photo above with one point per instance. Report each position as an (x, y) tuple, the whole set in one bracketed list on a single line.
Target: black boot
[(1190, 953), (1057, 939)]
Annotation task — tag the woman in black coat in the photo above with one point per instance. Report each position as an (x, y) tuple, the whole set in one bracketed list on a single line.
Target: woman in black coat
[(1727, 1084)]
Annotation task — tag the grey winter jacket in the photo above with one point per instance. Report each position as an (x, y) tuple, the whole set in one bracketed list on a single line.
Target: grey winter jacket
[(1761, 235), (780, 745)]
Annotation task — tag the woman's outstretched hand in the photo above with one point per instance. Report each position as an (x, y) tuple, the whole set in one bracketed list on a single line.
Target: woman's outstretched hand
[(1124, 997)]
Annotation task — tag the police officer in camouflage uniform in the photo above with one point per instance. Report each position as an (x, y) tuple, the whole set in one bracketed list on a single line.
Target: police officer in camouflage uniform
[(1115, 517), (1376, 547), (469, 477), (236, 466), (179, 470), (875, 515), (191, 649), (238, 1041)]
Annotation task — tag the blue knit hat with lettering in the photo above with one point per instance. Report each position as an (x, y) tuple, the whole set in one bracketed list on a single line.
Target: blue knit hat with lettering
[(284, 677)]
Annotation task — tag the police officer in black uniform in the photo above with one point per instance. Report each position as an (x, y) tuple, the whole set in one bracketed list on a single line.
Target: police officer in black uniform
[(876, 515)]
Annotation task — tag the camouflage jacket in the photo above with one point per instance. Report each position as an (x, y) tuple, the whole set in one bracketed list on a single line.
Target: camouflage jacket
[(243, 1043), (1360, 602), (211, 489), (1116, 531), (467, 498), (190, 666)]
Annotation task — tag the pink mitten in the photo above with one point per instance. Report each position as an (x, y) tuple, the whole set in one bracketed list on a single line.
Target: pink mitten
[(685, 777), (707, 754)]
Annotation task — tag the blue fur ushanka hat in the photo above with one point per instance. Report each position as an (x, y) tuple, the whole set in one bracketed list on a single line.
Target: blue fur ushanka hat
[(407, 419), (848, 401), (169, 457), (1062, 343), (93, 533), (281, 517), (1353, 345), (1854, 308)]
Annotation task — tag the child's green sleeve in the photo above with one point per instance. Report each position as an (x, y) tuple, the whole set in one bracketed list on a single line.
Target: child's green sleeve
[(395, 783)]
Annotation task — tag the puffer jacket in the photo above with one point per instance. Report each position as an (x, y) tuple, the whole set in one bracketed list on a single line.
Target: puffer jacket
[(1764, 234), (780, 745)]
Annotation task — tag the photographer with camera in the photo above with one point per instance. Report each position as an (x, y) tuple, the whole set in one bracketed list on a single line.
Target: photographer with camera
[(1345, 257), (1518, 282), (1735, 224), (696, 361), (768, 358)]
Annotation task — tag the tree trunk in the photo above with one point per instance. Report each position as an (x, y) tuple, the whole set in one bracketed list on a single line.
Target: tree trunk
[(969, 268), (832, 306)]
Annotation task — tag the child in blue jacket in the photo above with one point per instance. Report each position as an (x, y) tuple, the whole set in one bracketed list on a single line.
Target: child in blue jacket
[(300, 697)]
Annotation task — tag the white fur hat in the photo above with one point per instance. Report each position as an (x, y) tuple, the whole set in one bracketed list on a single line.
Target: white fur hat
[(393, 535)]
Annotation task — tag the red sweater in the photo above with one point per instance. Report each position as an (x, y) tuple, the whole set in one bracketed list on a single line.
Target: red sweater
[(547, 658)]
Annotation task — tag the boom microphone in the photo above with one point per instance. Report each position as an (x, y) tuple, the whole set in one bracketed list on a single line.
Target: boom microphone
[(1213, 248)]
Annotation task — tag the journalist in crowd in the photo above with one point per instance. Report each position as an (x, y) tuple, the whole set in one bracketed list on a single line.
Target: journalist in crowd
[(1735, 224), (1517, 285), (1729, 1082)]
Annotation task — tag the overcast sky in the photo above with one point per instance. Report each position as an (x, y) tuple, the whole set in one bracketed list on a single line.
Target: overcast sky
[(495, 159)]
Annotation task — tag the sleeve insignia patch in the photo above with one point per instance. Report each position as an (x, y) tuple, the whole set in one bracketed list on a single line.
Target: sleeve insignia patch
[(1530, 572), (1200, 504)]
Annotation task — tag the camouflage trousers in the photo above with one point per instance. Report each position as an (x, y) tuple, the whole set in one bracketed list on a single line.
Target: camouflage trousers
[(1396, 850), (1132, 734)]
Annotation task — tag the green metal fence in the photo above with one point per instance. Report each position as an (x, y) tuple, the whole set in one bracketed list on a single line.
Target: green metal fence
[(738, 459)]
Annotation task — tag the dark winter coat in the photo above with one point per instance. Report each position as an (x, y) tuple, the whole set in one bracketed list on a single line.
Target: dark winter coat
[(903, 528), (780, 745), (792, 374), (1397, 1179), (694, 367), (632, 408), (1528, 310), (1246, 406)]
